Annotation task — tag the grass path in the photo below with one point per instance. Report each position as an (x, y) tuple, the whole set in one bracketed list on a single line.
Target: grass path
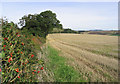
[(62, 72)]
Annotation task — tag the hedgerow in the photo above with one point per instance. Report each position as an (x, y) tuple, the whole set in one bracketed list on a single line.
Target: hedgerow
[(19, 59)]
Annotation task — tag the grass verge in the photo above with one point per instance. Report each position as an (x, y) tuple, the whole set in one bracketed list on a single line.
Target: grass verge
[(62, 72)]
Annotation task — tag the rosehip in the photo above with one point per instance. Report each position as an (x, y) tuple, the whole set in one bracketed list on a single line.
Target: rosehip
[(18, 76), (22, 43), (0, 70), (38, 72), (17, 70), (4, 45), (34, 70), (10, 43), (11, 54), (7, 38), (21, 52), (41, 68), (10, 59), (32, 55)]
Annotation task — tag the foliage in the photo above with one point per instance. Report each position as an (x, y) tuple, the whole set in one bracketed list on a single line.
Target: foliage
[(80, 32), (19, 59), (69, 31), (57, 30), (40, 24)]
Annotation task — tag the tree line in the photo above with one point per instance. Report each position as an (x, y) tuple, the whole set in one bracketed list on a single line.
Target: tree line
[(68, 30), (39, 24), (42, 24)]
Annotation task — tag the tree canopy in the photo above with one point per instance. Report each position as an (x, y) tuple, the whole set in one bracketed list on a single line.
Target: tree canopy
[(40, 24)]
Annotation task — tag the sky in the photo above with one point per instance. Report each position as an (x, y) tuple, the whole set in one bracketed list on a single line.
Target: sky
[(74, 15), (59, 0)]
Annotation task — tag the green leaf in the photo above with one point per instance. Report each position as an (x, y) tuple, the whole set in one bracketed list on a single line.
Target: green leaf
[(3, 54), (2, 73)]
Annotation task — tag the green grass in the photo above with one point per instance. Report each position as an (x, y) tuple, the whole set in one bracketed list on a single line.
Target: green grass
[(62, 72)]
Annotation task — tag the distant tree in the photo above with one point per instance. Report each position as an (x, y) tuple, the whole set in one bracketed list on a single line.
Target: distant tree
[(48, 21), (69, 31)]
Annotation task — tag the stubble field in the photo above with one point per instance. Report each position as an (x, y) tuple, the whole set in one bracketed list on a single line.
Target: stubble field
[(95, 57)]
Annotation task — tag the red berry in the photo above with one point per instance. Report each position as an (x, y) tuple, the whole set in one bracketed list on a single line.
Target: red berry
[(41, 68), (16, 33), (38, 72), (11, 54), (17, 70), (21, 52), (10, 59), (10, 43), (34, 70), (18, 76), (23, 63), (4, 38), (7, 38), (33, 73), (32, 55), (4, 45), (22, 43), (0, 70)]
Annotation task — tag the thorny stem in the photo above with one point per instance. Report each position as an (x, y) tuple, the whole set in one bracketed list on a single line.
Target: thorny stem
[(16, 76)]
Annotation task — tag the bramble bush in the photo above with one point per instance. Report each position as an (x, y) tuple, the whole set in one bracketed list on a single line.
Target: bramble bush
[(19, 59)]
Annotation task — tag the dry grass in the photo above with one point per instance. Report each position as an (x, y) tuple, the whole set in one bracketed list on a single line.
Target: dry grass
[(93, 55)]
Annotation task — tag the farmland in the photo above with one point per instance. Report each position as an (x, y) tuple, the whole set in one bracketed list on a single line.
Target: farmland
[(93, 56)]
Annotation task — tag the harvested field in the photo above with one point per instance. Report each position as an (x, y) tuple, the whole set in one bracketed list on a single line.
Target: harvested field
[(95, 56)]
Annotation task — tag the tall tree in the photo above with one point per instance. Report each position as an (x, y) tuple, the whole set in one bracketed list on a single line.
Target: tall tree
[(42, 23)]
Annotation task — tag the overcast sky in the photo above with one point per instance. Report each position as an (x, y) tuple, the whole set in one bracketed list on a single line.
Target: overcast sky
[(74, 15)]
